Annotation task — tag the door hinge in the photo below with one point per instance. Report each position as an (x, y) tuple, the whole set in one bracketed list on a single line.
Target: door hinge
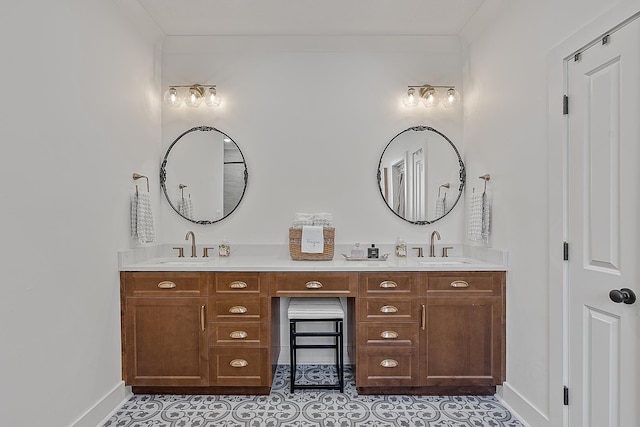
[(566, 396), (565, 104), (565, 251)]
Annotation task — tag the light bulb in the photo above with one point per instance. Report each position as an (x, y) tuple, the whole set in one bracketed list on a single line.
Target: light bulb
[(194, 96), (450, 98), (410, 100), (429, 96), (172, 97), (211, 98)]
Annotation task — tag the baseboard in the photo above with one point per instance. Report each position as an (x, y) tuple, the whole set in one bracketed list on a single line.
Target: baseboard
[(99, 413), (521, 407)]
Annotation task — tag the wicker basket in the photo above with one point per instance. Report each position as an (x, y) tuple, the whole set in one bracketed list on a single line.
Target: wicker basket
[(295, 246)]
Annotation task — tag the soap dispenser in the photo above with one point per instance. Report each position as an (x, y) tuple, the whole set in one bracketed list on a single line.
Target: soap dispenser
[(372, 252), (357, 252)]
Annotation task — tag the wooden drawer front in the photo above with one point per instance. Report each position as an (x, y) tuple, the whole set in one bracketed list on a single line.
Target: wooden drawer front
[(397, 283), (389, 334), (239, 283), (171, 284), (239, 366), (384, 309), (387, 367), (239, 335), (311, 283), (466, 283), (238, 309)]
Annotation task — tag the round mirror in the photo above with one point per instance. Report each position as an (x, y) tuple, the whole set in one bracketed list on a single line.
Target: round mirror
[(204, 175), (421, 175)]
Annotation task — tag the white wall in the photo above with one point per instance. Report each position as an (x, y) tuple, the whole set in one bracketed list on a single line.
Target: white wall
[(79, 114), (312, 116), (506, 129)]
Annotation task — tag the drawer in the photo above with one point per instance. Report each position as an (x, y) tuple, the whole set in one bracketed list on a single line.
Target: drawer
[(239, 334), (388, 334), (464, 283), (239, 367), (388, 309), (239, 283), (313, 283), (387, 367), (159, 284), (379, 284), (237, 309)]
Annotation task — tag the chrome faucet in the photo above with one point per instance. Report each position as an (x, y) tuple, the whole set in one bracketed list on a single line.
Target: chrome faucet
[(193, 243), (432, 247)]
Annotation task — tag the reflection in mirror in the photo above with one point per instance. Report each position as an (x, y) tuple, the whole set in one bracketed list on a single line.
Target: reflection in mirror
[(204, 175), (421, 175)]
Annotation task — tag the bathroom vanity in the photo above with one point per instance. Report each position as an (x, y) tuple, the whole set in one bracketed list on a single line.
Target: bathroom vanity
[(214, 326)]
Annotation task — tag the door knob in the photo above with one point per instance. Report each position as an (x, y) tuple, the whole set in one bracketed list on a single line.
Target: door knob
[(624, 295)]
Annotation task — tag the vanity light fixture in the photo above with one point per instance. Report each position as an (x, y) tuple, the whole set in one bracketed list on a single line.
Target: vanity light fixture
[(431, 96), (191, 95)]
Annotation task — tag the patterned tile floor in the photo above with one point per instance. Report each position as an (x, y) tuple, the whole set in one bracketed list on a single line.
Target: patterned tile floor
[(326, 408)]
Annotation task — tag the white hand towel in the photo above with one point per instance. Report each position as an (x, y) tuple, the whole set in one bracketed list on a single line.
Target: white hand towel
[(486, 217), (301, 219), (323, 219), (312, 239), (440, 207), (185, 207), (142, 218), (475, 218)]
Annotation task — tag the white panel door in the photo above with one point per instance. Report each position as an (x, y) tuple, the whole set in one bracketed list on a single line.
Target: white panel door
[(604, 233)]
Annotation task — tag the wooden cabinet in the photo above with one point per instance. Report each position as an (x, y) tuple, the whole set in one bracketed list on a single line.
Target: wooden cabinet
[(186, 332), (430, 332), (164, 330)]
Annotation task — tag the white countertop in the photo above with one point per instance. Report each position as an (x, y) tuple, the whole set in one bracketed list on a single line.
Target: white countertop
[(156, 259)]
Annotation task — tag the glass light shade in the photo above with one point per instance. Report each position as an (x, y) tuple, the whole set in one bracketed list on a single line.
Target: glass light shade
[(451, 98), (211, 98), (194, 97), (411, 100), (172, 97), (429, 96)]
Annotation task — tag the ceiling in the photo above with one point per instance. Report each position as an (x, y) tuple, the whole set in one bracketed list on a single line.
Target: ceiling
[(310, 17)]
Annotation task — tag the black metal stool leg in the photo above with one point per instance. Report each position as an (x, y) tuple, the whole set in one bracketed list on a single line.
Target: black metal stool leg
[(292, 346)]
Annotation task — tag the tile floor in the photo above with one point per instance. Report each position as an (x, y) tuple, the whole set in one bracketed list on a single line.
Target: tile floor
[(326, 408)]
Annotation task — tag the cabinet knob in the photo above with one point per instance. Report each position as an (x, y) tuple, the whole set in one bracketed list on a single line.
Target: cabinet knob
[(459, 284), (389, 335), (238, 335), (388, 309), (238, 284), (387, 284), (238, 363), (166, 285), (238, 309), (314, 284), (389, 363)]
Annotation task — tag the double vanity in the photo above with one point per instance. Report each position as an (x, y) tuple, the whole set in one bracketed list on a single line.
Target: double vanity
[(414, 325)]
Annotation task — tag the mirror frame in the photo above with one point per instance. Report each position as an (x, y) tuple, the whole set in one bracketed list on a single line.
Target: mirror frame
[(463, 173), (163, 173)]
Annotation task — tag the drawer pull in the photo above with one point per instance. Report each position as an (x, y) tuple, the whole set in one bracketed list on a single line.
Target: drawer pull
[(314, 284), (387, 284), (389, 335), (388, 309), (238, 309), (166, 285), (238, 335), (389, 363), (459, 284), (238, 284), (203, 319), (238, 363)]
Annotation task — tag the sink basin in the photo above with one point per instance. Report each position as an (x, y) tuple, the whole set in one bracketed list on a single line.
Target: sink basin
[(444, 261), (181, 262)]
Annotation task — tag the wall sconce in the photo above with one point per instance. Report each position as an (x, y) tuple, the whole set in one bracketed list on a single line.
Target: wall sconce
[(431, 96), (192, 95)]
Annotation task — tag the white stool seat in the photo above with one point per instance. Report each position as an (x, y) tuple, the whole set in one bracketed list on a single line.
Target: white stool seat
[(315, 308)]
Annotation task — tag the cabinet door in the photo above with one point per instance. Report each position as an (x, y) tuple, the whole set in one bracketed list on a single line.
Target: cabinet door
[(462, 342), (166, 342)]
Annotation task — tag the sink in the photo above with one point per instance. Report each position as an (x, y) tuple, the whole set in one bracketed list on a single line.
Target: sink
[(445, 261), (181, 262)]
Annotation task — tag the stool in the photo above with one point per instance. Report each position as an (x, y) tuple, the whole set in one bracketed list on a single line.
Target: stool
[(316, 309)]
